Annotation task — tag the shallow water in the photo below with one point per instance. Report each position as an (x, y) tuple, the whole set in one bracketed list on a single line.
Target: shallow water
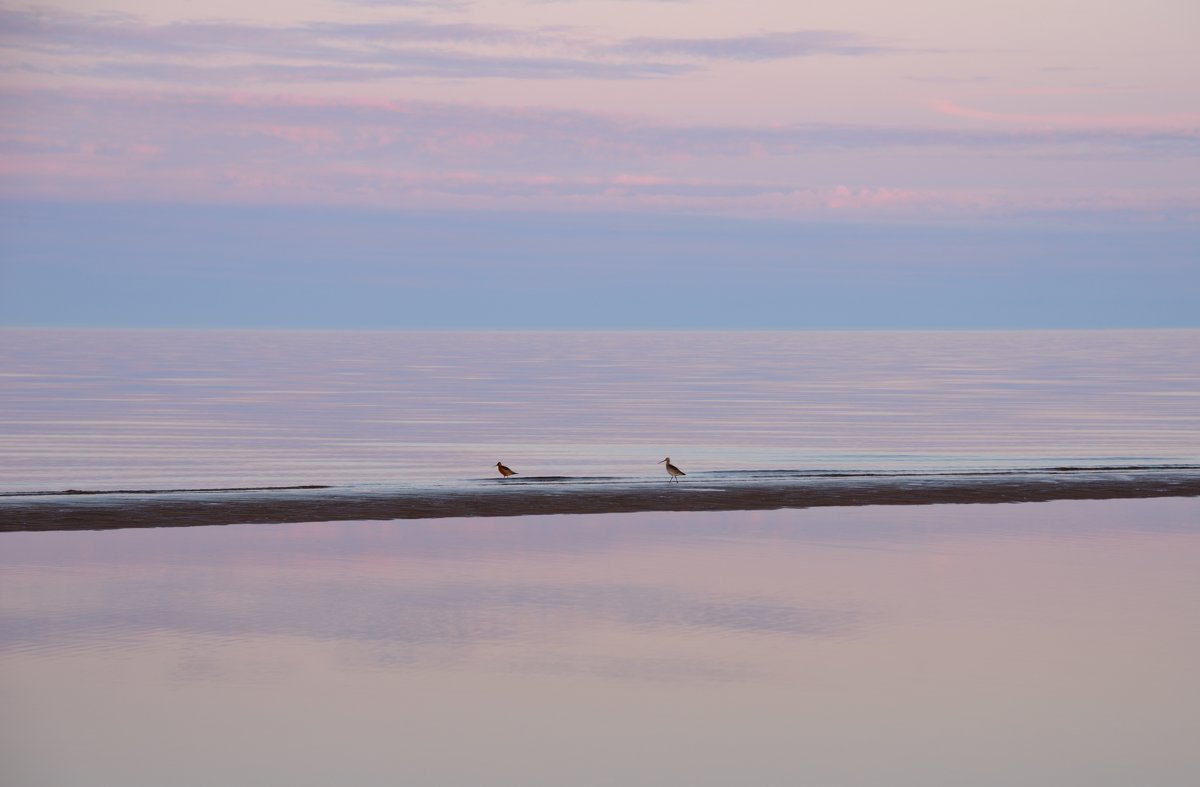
[(145, 409), (1046, 643)]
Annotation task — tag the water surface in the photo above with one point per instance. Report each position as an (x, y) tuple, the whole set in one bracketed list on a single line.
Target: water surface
[(1048, 643), (155, 409)]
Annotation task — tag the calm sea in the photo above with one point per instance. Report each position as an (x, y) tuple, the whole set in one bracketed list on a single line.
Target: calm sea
[(983, 645), (992, 645), (152, 409)]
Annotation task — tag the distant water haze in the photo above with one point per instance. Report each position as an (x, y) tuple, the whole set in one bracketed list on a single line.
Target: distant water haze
[(144, 409)]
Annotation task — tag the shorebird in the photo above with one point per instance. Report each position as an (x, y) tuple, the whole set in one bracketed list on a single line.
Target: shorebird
[(673, 471), (504, 471)]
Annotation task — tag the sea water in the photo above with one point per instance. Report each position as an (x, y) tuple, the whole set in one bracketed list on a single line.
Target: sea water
[(987, 645), (179, 409), (1033, 643)]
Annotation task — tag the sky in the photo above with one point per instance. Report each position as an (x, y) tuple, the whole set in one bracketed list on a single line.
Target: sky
[(526, 164)]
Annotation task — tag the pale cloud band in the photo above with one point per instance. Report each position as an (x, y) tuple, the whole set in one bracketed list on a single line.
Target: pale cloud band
[(298, 149), (196, 52), (762, 46)]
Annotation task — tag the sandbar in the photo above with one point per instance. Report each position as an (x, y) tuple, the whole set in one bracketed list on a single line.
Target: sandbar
[(99, 510)]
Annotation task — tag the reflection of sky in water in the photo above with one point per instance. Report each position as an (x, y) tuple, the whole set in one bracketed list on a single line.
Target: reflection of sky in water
[(214, 408), (950, 644)]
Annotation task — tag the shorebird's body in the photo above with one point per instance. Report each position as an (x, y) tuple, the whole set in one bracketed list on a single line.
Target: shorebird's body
[(505, 471), (673, 471)]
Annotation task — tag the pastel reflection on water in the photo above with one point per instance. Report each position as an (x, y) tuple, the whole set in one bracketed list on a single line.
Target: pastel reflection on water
[(990, 645)]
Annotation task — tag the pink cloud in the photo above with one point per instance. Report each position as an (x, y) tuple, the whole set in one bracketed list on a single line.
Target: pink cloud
[(842, 197), (296, 149), (639, 180), (1181, 120)]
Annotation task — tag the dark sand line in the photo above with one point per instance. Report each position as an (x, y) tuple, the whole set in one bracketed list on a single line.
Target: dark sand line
[(493, 499), (71, 492)]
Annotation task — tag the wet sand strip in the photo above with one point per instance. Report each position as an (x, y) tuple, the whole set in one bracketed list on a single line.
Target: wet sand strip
[(491, 499)]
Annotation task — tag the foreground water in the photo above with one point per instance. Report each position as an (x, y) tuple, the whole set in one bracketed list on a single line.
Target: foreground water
[(1047, 643), (110, 409)]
